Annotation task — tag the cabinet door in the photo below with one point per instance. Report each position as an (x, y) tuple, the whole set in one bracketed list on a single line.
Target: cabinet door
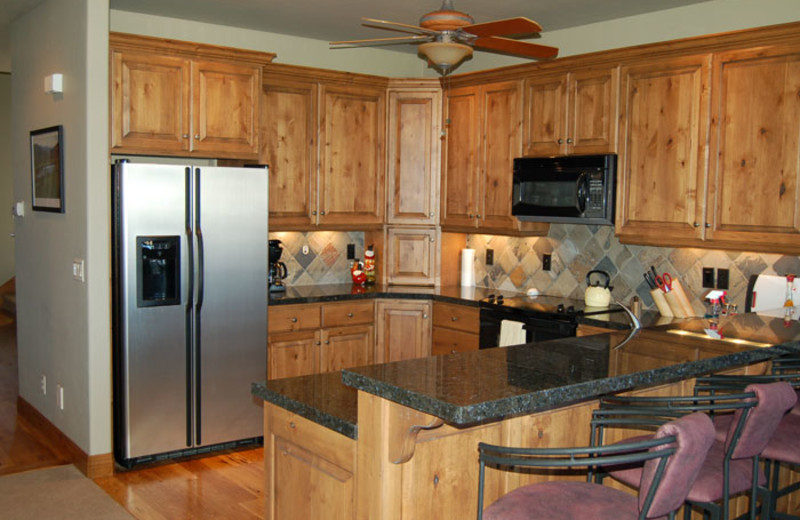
[(593, 111), (346, 347), (755, 173), (404, 330), (545, 115), (411, 254), (352, 165), (292, 354), (460, 168), (663, 151), (289, 147), (413, 158), (502, 141), (149, 103), (225, 109)]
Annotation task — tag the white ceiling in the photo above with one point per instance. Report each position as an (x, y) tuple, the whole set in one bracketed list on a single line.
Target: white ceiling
[(341, 19)]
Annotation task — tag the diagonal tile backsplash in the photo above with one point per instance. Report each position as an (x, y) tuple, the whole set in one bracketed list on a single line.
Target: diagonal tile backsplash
[(575, 250)]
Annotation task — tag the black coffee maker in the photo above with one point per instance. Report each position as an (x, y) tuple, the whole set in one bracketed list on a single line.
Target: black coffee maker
[(277, 269)]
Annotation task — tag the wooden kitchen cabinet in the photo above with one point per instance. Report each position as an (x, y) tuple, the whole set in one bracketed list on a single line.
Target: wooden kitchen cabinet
[(403, 330), (180, 98), (663, 147), (323, 137), (311, 338), (456, 328), (572, 113), (754, 173), (483, 125), (411, 254)]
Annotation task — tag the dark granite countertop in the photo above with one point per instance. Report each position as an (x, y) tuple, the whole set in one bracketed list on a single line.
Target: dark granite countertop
[(472, 387)]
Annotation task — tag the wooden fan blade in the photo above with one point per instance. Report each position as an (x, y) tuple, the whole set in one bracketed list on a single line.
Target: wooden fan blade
[(415, 28), (510, 26), (508, 46), (396, 39)]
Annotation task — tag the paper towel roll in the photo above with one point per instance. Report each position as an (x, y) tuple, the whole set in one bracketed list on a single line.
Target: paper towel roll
[(468, 267)]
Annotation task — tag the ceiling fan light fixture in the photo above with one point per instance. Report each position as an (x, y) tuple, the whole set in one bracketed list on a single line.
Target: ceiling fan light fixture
[(445, 55)]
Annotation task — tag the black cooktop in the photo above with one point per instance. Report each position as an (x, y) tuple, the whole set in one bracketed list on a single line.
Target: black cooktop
[(543, 305)]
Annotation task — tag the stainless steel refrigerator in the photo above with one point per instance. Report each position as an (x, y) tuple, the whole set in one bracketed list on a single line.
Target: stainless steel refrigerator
[(190, 308)]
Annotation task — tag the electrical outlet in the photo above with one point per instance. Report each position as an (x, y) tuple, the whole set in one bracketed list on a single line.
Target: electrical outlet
[(546, 262), (723, 279), (305, 249), (60, 397), (490, 257), (351, 251), (708, 277), (44, 384)]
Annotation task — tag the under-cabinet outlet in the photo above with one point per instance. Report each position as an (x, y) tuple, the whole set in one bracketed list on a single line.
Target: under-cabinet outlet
[(305, 249), (490, 257), (60, 397), (708, 277), (723, 279), (351, 251), (43, 384), (546, 262)]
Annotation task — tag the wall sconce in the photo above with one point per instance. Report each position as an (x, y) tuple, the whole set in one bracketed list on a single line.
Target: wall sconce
[(54, 84)]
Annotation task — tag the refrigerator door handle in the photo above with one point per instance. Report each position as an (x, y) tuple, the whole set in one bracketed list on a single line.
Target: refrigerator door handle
[(189, 306), (198, 230)]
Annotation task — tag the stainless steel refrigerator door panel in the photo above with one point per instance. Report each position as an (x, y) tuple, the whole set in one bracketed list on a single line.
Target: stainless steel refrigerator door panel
[(233, 316), (155, 342)]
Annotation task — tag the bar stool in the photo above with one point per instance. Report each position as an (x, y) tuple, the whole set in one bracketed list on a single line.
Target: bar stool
[(670, 462), (732, 466)]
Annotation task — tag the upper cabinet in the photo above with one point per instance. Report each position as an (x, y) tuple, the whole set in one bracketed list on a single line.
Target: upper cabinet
[(754, 175), (664, 135), (572, 112), (182, 99), (323, 138), (483, 126)]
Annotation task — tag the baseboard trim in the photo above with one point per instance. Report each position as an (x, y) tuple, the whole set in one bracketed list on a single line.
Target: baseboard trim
[(93, 466)]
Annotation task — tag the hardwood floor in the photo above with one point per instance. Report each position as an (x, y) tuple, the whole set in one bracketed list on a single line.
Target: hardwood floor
[(228, 485)]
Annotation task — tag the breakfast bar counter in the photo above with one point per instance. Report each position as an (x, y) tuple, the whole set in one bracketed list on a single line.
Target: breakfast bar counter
[(399, 440)]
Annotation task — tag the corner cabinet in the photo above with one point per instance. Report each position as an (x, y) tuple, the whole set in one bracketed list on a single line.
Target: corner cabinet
[(572, 113), (182, 99), (323, 137), (483, 128)]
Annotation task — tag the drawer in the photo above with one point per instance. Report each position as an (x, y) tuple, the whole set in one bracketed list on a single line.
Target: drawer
[(347, 313), (447, 341), (288, 318), (458, 317)]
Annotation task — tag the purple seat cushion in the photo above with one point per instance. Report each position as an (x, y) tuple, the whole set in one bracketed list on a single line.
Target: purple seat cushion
[(564, 501), (774, 400), (785, 443)]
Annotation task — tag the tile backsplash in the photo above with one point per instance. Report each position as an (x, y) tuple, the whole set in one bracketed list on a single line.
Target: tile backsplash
[(575, 250)]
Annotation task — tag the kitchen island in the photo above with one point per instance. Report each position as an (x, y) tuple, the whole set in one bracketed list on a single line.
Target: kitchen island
[(399, 440)]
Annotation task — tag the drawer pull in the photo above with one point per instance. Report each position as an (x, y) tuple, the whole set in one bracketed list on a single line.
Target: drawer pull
[(349, 314), (454, 318), (292, 425), (294, 320)]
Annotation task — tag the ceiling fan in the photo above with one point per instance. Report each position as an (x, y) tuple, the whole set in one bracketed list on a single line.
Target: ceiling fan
[(449, 37)]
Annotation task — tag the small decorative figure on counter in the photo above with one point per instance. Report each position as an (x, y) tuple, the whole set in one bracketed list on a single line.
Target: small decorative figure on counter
[(357, 272), (369, 265)]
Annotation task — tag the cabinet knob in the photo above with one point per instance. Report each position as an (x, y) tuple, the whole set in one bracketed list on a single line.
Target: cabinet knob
[(294, 320), (318, 343), (349, 314), (478, 215), (470, 215), (433, 240), (569, 140), (430, 214), (424, 316), (185, 136), (452, 351), (314, 212), (454, 318), (322, 212), (708, 225), (197, 137), (696, 224), (327, 342), (560, 141)]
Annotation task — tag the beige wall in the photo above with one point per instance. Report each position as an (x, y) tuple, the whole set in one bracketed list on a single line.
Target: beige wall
[(63, 324), (6, 182)]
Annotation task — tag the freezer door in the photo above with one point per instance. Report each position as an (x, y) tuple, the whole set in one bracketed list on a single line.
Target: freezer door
[(231, 231), (153, 338)]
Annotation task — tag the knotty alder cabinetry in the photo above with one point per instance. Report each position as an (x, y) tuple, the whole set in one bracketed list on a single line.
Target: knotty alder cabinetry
[(456, 328), (180, 98), (323, 137), (709, 148), (403, 330), (311, 338), (572, 112)]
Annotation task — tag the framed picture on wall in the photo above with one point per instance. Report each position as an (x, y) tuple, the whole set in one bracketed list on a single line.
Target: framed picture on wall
[(47, 169)]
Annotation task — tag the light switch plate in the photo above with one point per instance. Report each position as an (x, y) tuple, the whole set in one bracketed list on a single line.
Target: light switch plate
[(79, 269)]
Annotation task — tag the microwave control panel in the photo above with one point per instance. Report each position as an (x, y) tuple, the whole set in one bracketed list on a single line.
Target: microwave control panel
[(595, 203)]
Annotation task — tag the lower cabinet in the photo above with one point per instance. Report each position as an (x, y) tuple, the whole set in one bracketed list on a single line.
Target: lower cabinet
[(456, 328), (404, 330), (319, 337)]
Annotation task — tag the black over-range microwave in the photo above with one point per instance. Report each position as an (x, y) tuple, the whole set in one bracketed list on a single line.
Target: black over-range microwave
[(577, 189)]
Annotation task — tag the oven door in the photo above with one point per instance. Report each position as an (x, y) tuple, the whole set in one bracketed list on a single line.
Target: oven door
[(537, 328)]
